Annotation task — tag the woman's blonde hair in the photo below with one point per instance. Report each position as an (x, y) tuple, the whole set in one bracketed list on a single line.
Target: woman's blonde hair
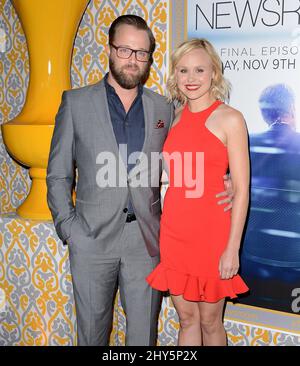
[(220, 87)]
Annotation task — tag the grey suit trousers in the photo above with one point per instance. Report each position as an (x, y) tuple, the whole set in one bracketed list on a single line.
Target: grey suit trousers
[(96, 277)]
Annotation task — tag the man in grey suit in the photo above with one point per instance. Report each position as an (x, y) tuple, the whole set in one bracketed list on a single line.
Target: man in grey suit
[(112, 230)]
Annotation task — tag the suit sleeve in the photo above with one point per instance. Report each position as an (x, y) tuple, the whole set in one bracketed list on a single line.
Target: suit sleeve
[(60, 171)]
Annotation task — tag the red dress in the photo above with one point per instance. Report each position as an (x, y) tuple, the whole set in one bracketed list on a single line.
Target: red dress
[(194, 230)]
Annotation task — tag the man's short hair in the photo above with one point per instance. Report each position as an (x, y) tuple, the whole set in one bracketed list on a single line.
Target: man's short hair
[(137, 22)]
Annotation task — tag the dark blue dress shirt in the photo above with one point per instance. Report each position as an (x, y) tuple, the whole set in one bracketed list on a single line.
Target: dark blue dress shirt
[(129, 128)]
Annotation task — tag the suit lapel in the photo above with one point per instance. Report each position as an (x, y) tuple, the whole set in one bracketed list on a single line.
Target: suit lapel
[(100, 105)]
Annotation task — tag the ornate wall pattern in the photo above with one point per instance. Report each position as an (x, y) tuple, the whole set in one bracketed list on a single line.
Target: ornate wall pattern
[(249, 335), (14, 64), (39, 307)]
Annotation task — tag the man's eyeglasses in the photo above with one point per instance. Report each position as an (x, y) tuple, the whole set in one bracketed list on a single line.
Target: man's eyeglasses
[(125, 52)]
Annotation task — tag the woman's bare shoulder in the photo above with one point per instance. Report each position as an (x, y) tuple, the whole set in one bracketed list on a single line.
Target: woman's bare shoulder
[(230, 115)]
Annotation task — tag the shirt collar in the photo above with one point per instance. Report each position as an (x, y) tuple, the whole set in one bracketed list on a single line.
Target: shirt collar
[(111, 90)]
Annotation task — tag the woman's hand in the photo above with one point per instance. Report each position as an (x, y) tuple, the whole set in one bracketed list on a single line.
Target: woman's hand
[(229, 264)]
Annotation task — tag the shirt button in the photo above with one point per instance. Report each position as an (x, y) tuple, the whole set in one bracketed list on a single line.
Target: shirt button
[(125, 210)]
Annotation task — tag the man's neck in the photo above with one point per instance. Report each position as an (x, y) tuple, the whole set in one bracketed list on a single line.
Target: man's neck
[(127, 96)]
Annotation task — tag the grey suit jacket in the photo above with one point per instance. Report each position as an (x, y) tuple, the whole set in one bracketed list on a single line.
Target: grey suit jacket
[(83, 130)]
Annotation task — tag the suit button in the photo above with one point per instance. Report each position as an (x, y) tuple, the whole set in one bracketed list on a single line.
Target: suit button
[(125, 210)]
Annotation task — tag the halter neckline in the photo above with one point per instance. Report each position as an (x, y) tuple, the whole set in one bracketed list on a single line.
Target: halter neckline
[(215, 104)]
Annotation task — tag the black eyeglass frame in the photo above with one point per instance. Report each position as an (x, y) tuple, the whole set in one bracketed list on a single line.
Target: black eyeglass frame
[(132, 51)]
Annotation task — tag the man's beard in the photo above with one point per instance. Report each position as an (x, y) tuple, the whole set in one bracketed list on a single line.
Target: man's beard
[(126, 80)]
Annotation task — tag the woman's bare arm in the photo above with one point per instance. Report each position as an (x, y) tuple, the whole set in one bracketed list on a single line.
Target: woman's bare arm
[(238, 155)]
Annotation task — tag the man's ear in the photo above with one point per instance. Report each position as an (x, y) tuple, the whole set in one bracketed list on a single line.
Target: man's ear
[(107, 50)]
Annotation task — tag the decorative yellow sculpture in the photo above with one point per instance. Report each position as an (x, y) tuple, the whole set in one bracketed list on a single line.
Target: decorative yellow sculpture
[(50, 27)]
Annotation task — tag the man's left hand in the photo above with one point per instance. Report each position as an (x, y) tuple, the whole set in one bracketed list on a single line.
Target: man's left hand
[(228, 193)]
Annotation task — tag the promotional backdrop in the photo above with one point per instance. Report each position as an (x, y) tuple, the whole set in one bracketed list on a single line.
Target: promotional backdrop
[(259, 44)]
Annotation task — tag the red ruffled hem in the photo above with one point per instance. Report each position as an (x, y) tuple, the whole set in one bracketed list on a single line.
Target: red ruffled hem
[(194, 288)]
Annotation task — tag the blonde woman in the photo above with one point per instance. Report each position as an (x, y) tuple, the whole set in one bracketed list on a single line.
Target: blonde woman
[(199, 242)]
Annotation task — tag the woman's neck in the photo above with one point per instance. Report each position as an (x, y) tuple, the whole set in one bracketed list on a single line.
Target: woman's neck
[(199, 104)]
